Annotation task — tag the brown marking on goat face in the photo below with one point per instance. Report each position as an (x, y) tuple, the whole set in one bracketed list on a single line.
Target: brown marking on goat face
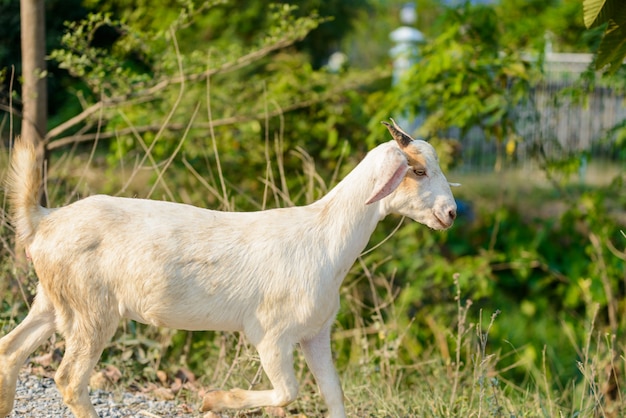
[(415, 158)]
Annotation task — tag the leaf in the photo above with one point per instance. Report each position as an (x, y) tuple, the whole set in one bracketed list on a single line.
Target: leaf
[(612, 49), (599, 12), (594, 13)]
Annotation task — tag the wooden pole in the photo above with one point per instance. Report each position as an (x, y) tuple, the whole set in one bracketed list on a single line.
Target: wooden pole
[(34, 81)]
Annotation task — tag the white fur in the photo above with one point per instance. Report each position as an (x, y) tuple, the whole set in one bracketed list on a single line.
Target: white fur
[(273, 275)]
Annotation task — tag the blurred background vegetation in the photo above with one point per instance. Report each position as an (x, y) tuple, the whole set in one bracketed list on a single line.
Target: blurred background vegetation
[(245, 105)]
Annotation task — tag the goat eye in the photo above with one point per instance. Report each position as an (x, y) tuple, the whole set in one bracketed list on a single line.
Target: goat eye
[(420, 172)]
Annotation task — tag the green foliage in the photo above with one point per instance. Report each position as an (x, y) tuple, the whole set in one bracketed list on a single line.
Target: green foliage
[(610, 14), (143, 59), (157, 83), (465, 78), (103, 70), (529, 25)]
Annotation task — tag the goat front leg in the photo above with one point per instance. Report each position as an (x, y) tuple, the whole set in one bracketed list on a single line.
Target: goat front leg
[(277, 361), (320, 361), (17, 345)]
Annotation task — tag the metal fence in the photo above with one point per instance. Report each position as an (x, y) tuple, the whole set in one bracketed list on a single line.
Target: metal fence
[(554, 122)]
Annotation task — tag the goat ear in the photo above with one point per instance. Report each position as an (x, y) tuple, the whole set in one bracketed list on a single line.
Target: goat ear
[(392, 172)]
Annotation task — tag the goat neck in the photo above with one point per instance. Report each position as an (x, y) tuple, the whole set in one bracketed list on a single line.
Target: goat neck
[(347, 221)]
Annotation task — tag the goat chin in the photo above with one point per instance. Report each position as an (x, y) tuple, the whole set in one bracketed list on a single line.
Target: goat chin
[(273, 275)]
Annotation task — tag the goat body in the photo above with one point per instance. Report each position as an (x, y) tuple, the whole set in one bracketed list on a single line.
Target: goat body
[(273, 275)]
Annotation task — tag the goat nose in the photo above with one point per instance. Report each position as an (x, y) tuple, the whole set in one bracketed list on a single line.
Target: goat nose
[(452, 214)]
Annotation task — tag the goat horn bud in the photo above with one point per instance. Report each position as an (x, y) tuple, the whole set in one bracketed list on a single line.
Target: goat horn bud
[(402, 138)]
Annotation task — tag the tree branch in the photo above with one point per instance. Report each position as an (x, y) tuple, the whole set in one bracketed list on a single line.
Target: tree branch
[(147, 94), (70, 139)]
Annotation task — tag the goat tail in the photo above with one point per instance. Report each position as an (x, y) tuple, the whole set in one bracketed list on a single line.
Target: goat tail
[(24, 183)]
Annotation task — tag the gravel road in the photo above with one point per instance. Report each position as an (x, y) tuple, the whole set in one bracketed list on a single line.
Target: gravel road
[(38, 397)]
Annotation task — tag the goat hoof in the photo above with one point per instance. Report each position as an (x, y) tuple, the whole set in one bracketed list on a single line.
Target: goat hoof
[(211, 401), (219, 400)]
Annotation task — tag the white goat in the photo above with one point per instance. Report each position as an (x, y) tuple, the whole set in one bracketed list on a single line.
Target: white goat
[(273, 275)]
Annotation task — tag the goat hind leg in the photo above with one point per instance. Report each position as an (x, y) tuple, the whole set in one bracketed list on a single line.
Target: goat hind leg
[(277, 362), (84, 345), (18, 344)]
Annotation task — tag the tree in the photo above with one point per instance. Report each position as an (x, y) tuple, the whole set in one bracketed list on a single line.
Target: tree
[(34, 86)]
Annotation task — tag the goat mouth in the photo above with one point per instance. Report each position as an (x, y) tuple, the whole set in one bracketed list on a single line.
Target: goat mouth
[(442, 224)]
